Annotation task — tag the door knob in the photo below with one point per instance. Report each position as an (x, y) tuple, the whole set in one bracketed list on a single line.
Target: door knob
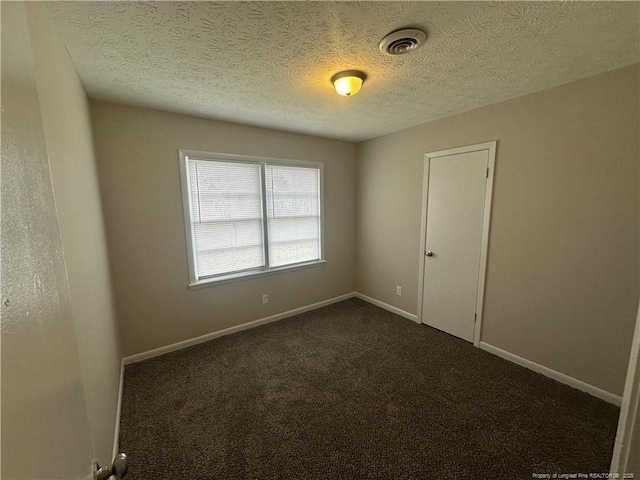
[(429, 253), (120, 466), (118, 469)]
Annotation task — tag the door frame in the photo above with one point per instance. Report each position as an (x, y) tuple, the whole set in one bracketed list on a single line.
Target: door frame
[(491, 148), (629, 409)]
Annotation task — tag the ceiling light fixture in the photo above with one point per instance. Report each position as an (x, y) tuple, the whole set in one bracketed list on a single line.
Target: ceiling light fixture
[(349, 82)]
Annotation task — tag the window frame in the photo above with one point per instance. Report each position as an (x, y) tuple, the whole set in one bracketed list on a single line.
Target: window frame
[(194, 282)]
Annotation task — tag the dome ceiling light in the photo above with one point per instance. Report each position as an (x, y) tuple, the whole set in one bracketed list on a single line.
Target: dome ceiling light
[(348, 82)]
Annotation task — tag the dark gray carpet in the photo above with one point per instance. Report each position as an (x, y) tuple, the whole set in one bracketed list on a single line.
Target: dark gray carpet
[(353, 391)]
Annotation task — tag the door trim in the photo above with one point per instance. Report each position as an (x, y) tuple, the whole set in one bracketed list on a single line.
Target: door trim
[(629, 408), (491, 148)]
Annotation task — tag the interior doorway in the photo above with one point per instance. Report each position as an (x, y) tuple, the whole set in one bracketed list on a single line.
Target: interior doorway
[(456, 208)]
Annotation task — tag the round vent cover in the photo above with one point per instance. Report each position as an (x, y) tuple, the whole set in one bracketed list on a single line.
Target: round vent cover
[(402, 41)]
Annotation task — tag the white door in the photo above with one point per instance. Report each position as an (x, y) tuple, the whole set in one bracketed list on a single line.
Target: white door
[(453, 270)]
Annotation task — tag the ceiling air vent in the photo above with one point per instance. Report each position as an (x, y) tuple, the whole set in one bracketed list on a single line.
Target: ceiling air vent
[(402, 41)]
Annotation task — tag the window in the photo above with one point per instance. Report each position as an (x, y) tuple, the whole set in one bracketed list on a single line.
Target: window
[(250, 215)]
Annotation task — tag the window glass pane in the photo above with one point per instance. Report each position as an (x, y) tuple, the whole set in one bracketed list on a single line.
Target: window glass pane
[(293, 214), (226, 208)]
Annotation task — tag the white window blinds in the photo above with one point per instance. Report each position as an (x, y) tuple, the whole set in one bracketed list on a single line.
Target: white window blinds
[(246, 215), (293, 214), (226, 211)]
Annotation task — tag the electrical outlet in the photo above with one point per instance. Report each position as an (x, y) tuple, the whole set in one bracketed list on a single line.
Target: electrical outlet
[(399, 291), (265, 299)]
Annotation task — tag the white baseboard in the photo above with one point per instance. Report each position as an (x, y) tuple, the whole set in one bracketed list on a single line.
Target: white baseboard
[(227, 331), (547, 372), (386, 306), (116, 438)]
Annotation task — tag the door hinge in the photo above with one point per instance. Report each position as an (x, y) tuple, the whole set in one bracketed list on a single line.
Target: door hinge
[(487, 172), (475, 317)]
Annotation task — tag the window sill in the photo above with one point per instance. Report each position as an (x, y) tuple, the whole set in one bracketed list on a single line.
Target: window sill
[(211, 282)]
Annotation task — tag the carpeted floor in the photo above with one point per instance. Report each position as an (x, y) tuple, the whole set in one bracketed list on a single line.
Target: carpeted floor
[(353, 391)]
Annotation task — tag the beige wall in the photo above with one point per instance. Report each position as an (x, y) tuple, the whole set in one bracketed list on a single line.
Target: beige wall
[(45, 430), (562, 275), (140, 182), (67, 128)]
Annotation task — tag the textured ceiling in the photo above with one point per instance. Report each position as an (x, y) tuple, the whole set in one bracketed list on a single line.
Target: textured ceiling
[(269, 63)]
